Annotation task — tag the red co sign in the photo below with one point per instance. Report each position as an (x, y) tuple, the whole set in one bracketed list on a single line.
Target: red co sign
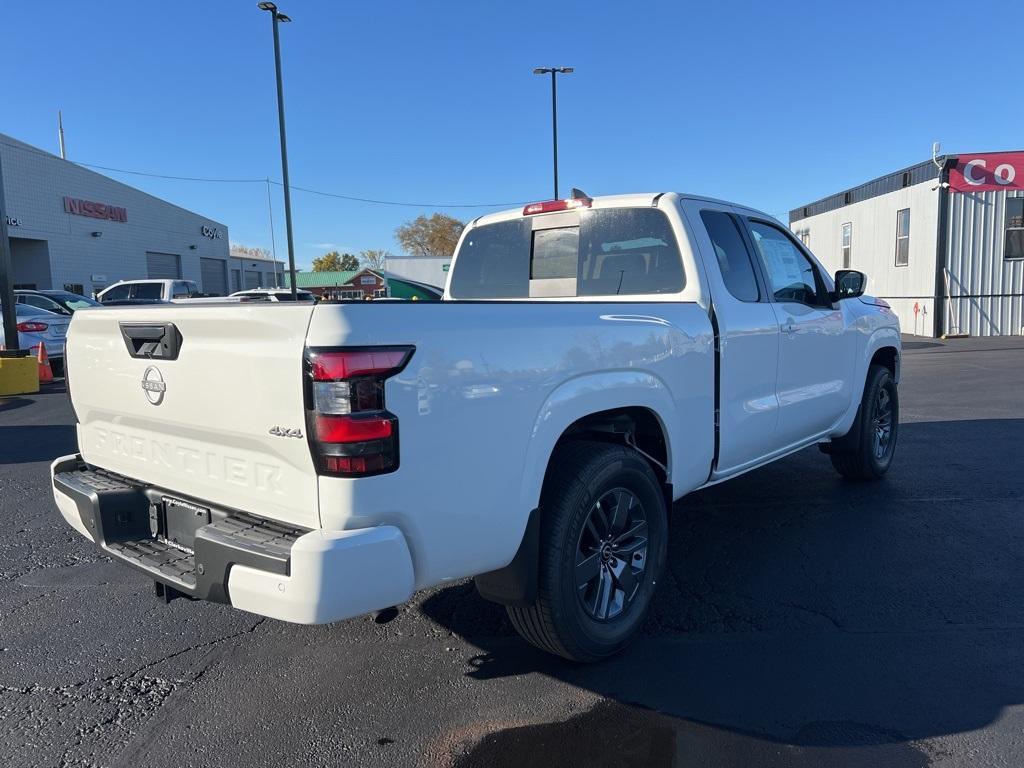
[(987, 171)]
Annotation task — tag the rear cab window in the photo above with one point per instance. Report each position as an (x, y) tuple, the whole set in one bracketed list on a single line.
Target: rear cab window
[(599, 252)]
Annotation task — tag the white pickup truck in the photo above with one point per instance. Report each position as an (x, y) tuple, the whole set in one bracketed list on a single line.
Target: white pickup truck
[(592, 361)]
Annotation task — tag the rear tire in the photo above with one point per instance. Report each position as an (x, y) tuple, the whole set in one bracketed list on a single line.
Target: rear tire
[(602, 549), (866, 453)]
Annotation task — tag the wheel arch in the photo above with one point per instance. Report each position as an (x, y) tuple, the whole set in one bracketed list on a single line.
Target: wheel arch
[(625, 407)]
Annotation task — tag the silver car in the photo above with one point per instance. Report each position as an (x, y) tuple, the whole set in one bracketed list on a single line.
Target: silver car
[(35, 325)]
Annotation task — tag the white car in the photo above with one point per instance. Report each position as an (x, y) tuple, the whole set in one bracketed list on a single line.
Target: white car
[(272, 294), (37, 325), (592, 361)]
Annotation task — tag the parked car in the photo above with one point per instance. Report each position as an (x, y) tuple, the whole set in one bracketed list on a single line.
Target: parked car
[(592, 361), (60, 302), (35, 325), (163, 290), (272, 294)]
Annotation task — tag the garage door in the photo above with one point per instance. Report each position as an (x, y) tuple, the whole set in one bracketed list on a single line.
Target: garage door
[(214, 274), (163, 266), (252, 280), (236, 280)]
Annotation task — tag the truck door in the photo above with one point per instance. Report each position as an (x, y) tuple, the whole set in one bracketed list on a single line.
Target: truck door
[(748, 333), (816, 353)]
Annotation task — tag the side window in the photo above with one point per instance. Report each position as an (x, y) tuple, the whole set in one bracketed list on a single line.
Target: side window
[(733, 256), (903, 237), (628, 251), (1013, 239), (147, 291), (791, 275), (120, 292)]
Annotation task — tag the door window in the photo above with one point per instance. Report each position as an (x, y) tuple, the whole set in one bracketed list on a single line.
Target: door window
[(117, 293), (791, 275), (147, 291), (733, 256)]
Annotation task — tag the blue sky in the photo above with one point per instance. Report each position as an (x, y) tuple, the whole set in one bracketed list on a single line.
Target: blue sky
[(770, 104)]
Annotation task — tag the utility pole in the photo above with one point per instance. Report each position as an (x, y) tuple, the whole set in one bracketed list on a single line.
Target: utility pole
[(554, 72), (277, 16)]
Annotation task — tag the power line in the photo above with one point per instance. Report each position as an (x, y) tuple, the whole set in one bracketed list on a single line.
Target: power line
[(213, 180), (395, 202)]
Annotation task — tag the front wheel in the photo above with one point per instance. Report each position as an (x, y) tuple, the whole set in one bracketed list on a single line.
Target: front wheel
[(867, 452), (603, 543)]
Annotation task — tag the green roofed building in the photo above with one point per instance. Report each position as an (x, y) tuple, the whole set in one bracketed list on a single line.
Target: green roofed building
[(359, 284)]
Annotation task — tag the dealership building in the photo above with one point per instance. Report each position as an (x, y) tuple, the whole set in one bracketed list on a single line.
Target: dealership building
[(76, 229), (941, 241)]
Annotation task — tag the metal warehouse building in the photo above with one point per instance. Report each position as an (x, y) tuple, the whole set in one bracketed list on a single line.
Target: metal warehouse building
[(76, 229), (941, 241)]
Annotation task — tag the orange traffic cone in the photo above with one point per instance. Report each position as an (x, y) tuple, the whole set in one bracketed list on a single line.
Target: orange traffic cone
[(45, 372)]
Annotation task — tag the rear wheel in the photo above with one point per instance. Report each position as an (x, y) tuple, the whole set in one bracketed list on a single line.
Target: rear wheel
[(867, 452), (603, 542)]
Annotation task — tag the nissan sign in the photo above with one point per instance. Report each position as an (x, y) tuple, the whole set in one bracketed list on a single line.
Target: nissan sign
[(95, 210), (987, 172)]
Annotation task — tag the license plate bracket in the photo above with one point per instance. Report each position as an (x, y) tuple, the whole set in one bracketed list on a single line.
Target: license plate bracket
[(181, 521)]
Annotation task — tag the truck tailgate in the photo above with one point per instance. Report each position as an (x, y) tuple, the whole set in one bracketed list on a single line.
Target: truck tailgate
[(199, 425)]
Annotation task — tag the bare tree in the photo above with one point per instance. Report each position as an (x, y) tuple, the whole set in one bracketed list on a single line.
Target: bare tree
[(374, 258)]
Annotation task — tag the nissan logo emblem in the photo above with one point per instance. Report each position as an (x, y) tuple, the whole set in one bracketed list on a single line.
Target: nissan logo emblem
[(153, 385)]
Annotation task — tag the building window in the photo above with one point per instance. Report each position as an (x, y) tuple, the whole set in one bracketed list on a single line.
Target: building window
[(74, 288), (805, 236), (847, 243), (903, 237), (1013, 244)]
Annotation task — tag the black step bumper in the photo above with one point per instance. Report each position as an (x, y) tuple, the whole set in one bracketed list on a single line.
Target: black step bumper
[(124, 518)]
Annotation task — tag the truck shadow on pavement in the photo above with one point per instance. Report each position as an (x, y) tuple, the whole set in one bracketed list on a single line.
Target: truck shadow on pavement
[(36, 442), (803, 619)]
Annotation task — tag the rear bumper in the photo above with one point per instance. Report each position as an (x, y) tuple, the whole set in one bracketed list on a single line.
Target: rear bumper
[(279, 571)]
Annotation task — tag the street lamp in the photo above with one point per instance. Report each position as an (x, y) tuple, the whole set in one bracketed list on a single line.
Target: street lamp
[(9, 320), (554, 72), (277, 16)]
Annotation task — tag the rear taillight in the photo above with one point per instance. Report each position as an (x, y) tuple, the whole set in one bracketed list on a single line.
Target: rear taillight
[(351, 432), (32, 327)]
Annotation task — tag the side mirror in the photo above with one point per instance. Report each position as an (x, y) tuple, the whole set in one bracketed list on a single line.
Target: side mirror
[(849, 284)]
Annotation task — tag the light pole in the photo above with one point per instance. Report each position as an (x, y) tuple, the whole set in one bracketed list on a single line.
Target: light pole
[(277, 16), (554, 72), (10, 322)]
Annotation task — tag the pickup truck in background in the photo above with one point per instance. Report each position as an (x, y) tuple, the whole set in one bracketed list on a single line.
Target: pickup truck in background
[(592, 361), (149, 290)]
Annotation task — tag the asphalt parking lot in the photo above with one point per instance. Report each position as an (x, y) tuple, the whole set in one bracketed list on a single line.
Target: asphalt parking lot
[(805, 621)]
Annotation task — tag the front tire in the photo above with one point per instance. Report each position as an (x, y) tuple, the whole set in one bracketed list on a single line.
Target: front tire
[(603, 543), (867, 452)]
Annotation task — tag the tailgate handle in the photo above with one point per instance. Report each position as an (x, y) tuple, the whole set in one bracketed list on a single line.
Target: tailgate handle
[(152, 341)]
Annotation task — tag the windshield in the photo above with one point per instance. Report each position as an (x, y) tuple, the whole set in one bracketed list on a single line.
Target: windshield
[(73, 301), (609, 252)]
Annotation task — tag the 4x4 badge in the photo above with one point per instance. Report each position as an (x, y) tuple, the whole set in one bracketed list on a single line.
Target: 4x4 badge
[(285, 431), (153, 385)]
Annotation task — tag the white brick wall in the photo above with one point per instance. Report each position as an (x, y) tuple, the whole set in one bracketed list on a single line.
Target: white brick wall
[(35, 184)]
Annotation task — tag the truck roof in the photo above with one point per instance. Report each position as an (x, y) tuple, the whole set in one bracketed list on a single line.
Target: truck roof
[(614, 201)]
